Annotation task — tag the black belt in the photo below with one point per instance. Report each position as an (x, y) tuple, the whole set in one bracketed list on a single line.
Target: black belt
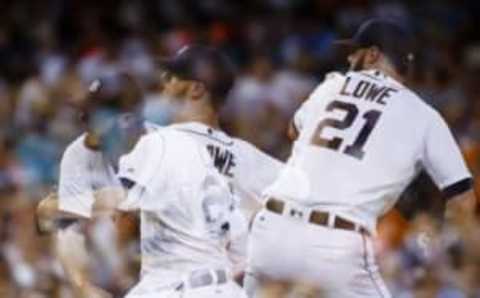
[(316, 217)]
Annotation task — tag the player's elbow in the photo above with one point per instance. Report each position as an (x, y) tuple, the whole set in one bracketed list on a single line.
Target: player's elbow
[(45, 213)]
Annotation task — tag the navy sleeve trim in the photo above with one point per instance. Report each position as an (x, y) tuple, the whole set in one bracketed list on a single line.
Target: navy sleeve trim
[(457, 188), (127, 183), (64, 223)]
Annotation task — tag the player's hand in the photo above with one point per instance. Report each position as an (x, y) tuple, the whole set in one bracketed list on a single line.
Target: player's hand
[(46, 212)]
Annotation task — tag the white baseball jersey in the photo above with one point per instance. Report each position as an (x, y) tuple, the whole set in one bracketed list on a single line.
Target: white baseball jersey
[(185, 204), (248, 169), (84, 171), (363, 137)]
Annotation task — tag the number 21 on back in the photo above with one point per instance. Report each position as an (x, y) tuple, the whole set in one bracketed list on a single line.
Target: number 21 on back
[(354, 149)]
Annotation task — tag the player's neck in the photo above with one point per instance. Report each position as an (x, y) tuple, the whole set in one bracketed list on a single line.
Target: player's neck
[(389, 70), (201, 114), (92, 142)]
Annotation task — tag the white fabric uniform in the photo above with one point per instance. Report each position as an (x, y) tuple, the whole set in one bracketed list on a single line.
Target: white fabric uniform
[(185, 207), (83, 172), (248, 170), (363, 137)]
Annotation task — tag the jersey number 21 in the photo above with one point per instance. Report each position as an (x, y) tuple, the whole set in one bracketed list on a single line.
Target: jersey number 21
[(355, 149)]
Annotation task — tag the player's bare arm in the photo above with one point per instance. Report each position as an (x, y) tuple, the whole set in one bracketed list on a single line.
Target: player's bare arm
[(70, 248), (72, 236), (107, 201), (46, 212), (128, 224), (72, 253), (49, 216), (461, 208), (292, 131)]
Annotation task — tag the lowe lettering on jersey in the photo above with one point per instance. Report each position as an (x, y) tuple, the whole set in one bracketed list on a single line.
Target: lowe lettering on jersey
[(367, 90), (363, 100), (224, 159)]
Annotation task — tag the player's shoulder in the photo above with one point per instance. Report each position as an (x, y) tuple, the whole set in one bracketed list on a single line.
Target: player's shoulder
[(331, 81), (417, 103), (334, 76), (203, 133), (407, 96), (151, 127), (244, 146), (420, 112), (249, 151), (78, 149), (162, 135)]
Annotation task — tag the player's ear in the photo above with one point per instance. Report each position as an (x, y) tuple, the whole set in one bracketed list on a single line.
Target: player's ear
[(197, 90), (372, 56)]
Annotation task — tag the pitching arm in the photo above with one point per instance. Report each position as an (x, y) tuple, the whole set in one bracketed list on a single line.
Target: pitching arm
[(444, 163), (73, 255), (461, 208), (46, 213)]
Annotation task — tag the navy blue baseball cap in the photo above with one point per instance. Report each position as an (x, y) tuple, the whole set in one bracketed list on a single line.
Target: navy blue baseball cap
[(390, 37), (203, 64)]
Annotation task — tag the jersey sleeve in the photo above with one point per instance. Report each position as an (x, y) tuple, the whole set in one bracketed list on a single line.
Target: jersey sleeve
[(324, 90), (257, 171), (137, 169), (442, 158), (75, 190)]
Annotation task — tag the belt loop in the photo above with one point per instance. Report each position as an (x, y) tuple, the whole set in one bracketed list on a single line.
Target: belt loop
[(185, 284), (214, 275), (331, 219), (308, 215), (286, 209), (357, 228)]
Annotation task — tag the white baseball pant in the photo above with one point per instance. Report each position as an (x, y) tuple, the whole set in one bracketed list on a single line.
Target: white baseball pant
[(153, 288), (338, 262)]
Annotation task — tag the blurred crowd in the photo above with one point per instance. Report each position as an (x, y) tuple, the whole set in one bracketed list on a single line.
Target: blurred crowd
[(51, 50)]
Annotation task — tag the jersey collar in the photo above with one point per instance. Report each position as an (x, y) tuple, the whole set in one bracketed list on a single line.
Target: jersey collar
[(382, 76), (202, 129)]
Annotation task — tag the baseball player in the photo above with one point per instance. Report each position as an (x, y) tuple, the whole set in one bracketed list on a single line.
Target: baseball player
[(186, 208), (196, 81), (88, 166), (362, 137), (234, 158)]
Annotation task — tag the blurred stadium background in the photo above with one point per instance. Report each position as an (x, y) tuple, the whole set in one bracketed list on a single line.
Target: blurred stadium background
[(50, 50)]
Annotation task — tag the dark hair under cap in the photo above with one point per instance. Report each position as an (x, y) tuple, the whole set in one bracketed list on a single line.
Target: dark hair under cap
[(394, 40)]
